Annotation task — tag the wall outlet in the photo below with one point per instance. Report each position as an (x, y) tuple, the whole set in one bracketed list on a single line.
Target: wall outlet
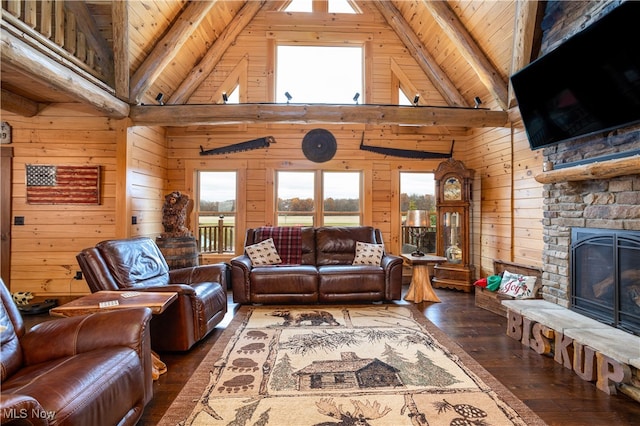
[(134, 220), (78, 275), (18, 220)]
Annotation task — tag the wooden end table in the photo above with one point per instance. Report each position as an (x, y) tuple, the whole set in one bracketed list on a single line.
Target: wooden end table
[(420, 289), (156, 301)]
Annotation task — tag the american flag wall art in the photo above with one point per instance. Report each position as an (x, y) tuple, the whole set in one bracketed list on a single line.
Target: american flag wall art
[(52, 184)]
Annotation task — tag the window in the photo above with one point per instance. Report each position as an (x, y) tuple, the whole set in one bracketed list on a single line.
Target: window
[(319, 74), (417, 192), (317, 198), (341, 198), (216, 211), (334, 6)]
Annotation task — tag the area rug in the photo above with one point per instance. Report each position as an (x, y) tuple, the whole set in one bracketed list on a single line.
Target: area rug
[(341, 365)]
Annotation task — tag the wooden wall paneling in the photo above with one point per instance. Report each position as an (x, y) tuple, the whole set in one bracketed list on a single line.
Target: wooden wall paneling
[(6, 182), (44, 248), (147, 180)]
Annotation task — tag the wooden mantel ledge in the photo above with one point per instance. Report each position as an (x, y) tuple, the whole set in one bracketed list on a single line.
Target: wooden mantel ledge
[(597, 170)]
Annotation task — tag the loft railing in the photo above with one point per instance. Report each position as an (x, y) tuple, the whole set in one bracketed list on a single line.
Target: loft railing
[(66, 29)]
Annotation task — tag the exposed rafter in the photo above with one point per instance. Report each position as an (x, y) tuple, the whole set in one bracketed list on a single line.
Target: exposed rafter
[(187, 115), (523, 34), (419, 52), (469, 49), (168, 47), (215, 52), (17, 104)]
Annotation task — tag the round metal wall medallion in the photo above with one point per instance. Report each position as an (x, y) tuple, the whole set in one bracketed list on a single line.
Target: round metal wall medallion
[(319, 145)]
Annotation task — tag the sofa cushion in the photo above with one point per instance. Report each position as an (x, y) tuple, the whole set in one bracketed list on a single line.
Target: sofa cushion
[(368, 254), (337, 245), (263, 253)]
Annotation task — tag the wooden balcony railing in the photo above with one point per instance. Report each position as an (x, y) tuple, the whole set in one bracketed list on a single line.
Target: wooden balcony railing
[(427, 242), (218, 238), (65, 28)]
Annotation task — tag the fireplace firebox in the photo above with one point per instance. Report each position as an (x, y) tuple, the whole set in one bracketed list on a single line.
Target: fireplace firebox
[(605, 271)]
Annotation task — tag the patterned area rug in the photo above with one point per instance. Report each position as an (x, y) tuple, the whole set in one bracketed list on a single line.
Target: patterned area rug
[(341, 365)]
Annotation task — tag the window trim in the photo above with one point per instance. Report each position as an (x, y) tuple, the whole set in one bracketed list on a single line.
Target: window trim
[(272, 167), (192, 168), (318, 212), (328, 39)]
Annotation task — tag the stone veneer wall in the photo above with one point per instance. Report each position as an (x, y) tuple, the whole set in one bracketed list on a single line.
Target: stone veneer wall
[(612, 203)]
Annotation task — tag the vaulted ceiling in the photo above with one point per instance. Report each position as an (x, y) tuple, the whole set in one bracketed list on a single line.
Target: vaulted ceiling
[(467, 49)]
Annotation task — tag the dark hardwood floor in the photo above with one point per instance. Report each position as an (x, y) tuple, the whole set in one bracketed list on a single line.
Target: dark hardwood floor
[(555, 393)]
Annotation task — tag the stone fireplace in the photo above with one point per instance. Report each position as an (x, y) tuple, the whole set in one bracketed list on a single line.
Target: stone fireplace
[(577, 198), (605, 276)]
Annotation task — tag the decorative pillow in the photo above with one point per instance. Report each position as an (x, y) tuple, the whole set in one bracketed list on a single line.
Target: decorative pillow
[(263, 253), (518, 286), (368, 254)]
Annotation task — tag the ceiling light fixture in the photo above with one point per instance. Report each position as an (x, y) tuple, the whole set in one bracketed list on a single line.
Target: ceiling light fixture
[(159, 98), (288, 96), (416, 98), (478, 101), (355, 98), (225, 98)]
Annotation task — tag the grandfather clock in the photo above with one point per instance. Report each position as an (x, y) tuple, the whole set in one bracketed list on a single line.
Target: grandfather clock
[(453, 205)]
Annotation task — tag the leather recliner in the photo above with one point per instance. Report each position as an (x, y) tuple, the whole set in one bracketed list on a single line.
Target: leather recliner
[(137, 264), (86, 370)]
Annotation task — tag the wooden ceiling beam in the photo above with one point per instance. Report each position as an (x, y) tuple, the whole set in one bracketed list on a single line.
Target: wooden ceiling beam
[(189, 115), (469, 49), (215, 52), (168, 47), (120, 25), (17, 104), (16, 53), (418, 51), (523, 38)]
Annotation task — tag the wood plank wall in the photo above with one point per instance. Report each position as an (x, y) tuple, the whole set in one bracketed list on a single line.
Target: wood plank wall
[(140, 165), (43, 250)]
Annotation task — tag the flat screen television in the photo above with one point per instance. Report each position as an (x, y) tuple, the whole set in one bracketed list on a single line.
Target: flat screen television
[(588, 84)]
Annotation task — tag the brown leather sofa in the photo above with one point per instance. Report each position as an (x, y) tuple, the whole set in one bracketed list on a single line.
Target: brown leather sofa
[(325, 275), (85, 370), (137, 264)]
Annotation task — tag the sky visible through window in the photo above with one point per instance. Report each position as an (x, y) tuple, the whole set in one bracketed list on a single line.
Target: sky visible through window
[(319, 74)]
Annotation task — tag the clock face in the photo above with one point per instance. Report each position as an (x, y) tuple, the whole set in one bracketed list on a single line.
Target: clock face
[(452, 189)]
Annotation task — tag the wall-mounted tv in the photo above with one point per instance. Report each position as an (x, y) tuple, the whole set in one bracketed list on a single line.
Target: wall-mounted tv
[(588, 84)]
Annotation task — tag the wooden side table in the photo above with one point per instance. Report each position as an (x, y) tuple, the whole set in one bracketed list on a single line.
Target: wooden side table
[(156, 301), (420, 289)]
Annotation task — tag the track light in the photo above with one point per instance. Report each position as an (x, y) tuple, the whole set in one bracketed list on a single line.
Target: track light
[(225, 98), (416, 98), (159, 98), (477, 101), (288, 96), (355, 98)]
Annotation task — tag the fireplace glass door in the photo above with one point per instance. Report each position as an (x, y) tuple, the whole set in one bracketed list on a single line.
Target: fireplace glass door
[(606, 276)]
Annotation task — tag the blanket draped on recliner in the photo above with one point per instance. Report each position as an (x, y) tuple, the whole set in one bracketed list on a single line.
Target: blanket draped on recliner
[(288, 242)]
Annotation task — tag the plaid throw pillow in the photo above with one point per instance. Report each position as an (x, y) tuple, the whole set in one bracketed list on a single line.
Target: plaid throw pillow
[(368, 254), (263, 253)]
